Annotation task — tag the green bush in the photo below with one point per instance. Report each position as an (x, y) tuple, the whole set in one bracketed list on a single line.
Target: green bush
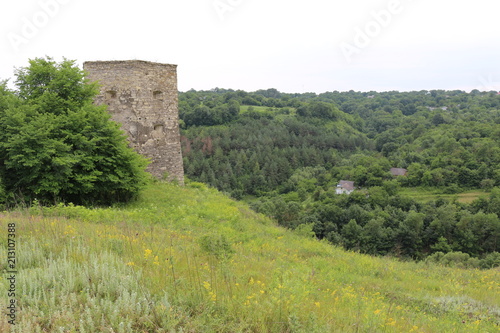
[(56, 145), (463, 260), (452, 189), (455, 259), (491, 260), (216, 245), (305, 230)]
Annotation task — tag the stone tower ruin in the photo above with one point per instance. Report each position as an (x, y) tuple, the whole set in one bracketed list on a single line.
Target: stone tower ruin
[(142, 96)]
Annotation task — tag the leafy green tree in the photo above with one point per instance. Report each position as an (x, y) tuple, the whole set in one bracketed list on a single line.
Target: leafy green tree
[(352, 235), (442, 245), (467, 239), (444, 223), (415, 173), (409, 233), (55, 144), (321, 110), (378, 196), (377, 239), (487, 184)]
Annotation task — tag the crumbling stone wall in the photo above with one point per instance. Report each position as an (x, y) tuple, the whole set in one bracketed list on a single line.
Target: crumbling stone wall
[(142, 96)]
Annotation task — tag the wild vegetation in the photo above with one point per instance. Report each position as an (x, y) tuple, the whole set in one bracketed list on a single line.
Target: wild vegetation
[(285, 154), (190, 259)]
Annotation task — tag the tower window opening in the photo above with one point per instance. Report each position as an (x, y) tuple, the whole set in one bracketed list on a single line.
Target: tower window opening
[(110, 94), (157, 94)]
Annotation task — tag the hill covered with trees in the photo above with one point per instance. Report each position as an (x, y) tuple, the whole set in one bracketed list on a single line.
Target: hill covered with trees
[(285, 154)]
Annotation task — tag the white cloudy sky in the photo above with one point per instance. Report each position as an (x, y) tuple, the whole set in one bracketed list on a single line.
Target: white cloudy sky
[(291, 45)]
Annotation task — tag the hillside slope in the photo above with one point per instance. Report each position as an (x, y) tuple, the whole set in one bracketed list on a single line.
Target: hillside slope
[(190, 259)]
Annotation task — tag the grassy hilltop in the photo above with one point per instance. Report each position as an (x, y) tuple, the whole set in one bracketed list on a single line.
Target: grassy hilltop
[(192, 260)]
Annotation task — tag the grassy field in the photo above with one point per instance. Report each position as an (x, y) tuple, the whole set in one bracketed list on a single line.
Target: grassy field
[(244, 108), (468, 197), (192, 260), (428, 194)]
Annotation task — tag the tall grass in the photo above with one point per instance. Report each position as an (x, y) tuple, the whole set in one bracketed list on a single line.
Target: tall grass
[(424, 194), (192, 260)]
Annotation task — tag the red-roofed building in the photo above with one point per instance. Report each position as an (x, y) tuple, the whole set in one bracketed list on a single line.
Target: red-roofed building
[(398, 172), (344, 187)]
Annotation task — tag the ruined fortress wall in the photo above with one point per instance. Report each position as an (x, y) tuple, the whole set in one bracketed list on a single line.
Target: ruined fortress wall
[(142, 96)]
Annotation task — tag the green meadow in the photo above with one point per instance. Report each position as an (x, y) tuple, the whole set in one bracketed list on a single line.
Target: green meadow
[(426, 194), (190, 259)]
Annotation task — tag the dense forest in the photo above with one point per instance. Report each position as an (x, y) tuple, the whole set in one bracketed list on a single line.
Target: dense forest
[(285, 154)]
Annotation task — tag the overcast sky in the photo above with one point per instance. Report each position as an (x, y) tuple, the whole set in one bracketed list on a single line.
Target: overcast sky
[(290, 45)]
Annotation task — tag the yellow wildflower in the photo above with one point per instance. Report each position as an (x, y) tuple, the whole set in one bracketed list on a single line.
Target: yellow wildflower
[(206, 285)]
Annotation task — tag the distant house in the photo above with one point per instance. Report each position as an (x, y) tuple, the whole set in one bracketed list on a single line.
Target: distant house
[(444, 108), (398, 172), (344, 187)]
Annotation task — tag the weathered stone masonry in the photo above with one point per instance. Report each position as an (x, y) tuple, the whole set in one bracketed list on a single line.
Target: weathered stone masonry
[(142, 96)]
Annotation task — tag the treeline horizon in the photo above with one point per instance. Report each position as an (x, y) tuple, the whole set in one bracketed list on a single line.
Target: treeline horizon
[(219, 89)]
